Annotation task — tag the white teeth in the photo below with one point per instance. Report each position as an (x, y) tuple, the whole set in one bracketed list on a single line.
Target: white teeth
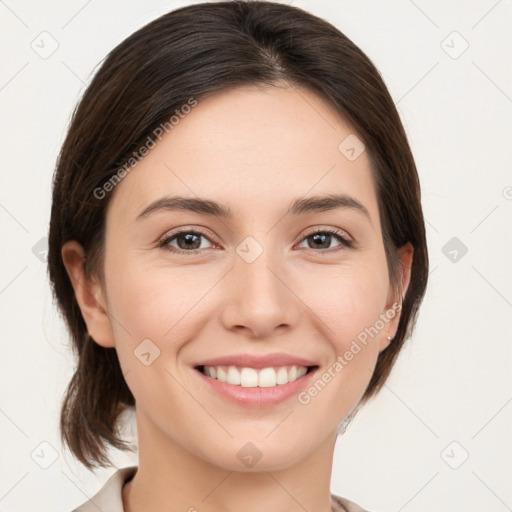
[(282, 376), (233, 376), (267, 378), (248, 378), (251, 378), (221, 374)]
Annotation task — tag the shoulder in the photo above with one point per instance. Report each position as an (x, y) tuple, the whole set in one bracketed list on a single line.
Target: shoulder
[(109, 497), (344, 505)]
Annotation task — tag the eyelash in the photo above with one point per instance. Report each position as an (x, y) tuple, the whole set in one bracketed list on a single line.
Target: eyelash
[(345, 242)]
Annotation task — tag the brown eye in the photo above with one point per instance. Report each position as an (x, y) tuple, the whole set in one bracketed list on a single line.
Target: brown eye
[(320, 240), (186, 241)]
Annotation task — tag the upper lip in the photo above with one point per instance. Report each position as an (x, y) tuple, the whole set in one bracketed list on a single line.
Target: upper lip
[(252, 361)]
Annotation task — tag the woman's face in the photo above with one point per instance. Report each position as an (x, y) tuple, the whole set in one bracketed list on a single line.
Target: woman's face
[(233, 289)]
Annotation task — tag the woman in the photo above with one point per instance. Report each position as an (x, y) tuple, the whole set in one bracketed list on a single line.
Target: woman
[(238, 247)]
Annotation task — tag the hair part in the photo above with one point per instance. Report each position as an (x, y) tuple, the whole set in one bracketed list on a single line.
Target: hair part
[(193, 52)]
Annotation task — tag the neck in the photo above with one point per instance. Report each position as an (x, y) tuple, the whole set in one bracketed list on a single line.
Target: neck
[(172, 478)]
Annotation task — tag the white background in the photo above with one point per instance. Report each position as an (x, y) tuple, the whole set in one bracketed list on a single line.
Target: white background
[(453, 380)]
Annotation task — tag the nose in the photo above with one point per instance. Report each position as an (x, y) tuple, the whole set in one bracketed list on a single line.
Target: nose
[(259, 300)]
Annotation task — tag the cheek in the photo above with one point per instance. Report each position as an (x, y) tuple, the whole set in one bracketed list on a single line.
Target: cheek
[(168, 306), (152, 301), (348, 311), (151, 312), (348, 303), (346, 299)]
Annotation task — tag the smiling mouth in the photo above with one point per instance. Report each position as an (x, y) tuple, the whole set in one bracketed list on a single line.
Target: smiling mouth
[(251, 377)]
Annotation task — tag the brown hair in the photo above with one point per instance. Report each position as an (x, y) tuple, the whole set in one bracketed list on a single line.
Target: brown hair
[(188, 53)]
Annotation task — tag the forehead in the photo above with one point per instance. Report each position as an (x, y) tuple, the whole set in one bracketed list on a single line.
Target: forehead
[(250, 147)]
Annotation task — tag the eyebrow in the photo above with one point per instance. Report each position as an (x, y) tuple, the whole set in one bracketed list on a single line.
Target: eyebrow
[(298, 206)]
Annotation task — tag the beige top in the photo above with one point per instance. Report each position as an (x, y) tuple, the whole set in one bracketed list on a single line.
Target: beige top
[(109, 497)]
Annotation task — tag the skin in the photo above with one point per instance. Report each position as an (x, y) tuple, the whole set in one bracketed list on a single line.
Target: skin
[(254, 150)]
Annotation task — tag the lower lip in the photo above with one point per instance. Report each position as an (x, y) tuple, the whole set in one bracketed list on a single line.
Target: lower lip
[(258, 397)]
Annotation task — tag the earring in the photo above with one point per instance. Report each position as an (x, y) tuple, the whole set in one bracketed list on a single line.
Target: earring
[(389, 338)]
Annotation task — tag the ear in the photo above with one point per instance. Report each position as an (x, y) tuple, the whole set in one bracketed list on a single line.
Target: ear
[(89, 295), (394, 302)]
